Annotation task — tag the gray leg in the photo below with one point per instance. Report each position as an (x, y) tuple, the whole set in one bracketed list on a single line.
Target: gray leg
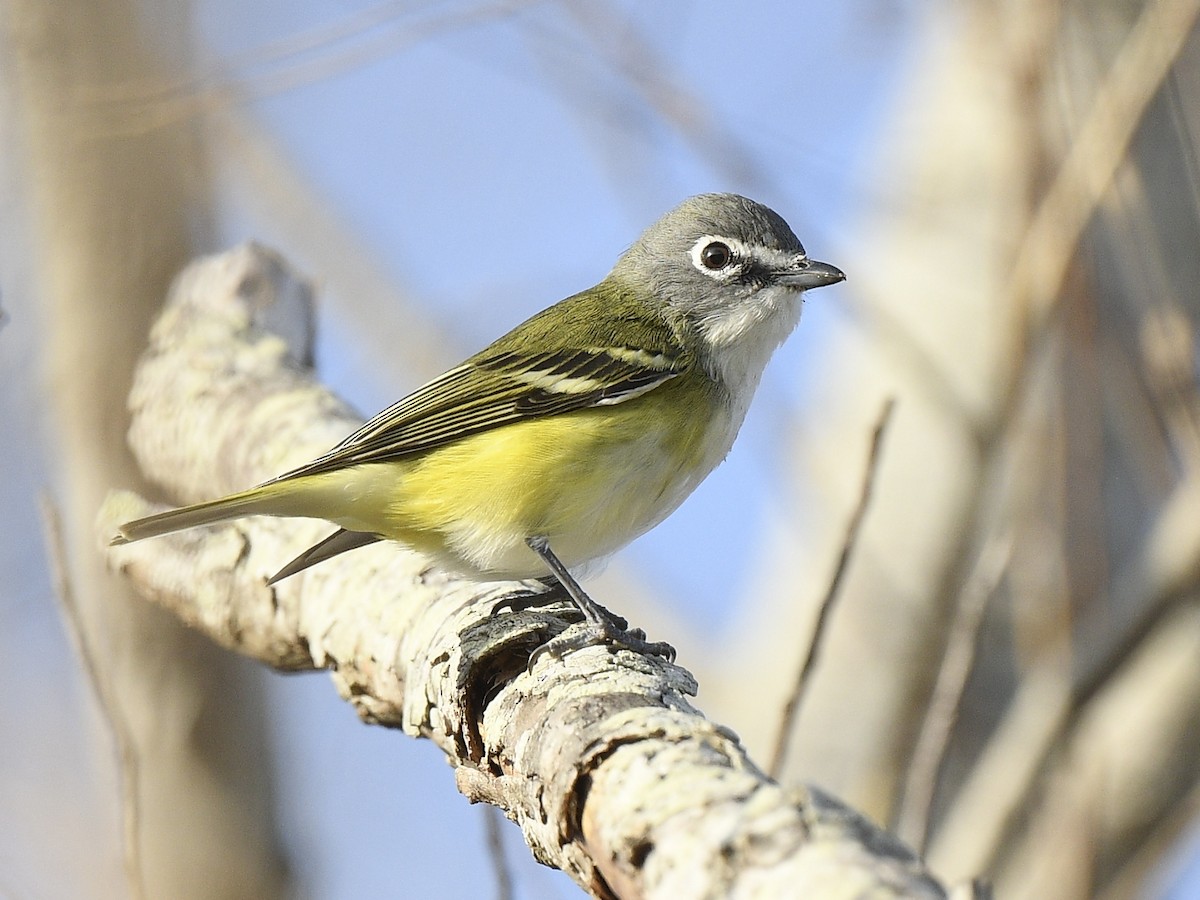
[(602, 626), (552, 591)]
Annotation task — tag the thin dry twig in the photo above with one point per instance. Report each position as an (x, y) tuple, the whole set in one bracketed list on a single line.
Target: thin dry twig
[(912, 824), (791, 708), (127, 759)]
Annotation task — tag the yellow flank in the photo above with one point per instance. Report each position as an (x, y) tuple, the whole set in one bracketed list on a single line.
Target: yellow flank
[(589, 481)]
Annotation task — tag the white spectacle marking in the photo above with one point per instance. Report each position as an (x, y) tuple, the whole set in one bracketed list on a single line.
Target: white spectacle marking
[(743, 253)]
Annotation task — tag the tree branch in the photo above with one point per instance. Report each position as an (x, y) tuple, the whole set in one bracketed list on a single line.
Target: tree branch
[(601, 759)]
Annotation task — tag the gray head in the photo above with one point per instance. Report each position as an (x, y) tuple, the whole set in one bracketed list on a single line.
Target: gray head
[(729, 264)]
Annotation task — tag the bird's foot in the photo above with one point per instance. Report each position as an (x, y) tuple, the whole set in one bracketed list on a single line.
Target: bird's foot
[(552, 592), (600, 625), (549, 593), (606, 633)]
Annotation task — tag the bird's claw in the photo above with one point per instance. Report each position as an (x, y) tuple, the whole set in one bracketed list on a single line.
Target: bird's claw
[(607, 634)]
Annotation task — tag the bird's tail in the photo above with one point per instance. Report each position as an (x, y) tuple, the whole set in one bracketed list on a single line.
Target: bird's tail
[(267, 500)]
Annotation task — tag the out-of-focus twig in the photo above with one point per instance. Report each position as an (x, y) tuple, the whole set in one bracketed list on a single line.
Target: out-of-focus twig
[(127, 760), (996, 790), (791, 708), (1145, 867), (290, 63), (493, 823), (912, 823), (1126, 763), (1096, 152), (627, 51), (286, 51), (1049, 244), (1168, 349)]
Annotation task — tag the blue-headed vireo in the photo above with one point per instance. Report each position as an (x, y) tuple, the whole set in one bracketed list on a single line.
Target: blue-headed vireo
[(574, 433)]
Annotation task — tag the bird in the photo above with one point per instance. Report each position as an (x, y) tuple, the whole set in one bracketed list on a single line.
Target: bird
[(571, 435)]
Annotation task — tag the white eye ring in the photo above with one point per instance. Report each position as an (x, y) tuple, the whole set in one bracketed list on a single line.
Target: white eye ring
[(718, 257)]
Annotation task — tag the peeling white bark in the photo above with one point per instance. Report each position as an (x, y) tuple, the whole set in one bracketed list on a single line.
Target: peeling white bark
[(600, 758)]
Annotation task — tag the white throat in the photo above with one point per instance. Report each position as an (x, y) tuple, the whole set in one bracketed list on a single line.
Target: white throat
[(740, 339)]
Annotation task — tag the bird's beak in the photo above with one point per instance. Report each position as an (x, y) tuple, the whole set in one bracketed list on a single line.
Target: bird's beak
[(808, 273)]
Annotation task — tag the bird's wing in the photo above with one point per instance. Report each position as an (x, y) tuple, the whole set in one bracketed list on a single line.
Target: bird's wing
[(503, 384)]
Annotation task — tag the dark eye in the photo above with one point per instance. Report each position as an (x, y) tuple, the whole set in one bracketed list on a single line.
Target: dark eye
[(716, 256)]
